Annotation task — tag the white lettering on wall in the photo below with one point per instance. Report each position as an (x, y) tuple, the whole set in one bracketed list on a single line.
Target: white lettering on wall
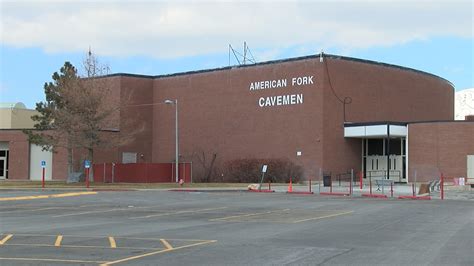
[(268, 84), (291, 99)]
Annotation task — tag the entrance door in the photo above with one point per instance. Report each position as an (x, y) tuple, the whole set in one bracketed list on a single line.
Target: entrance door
[(470, 168), (3, 164)]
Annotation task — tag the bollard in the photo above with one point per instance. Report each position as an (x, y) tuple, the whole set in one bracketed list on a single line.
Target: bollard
[(413, 189), (269, 185), (391, 190), (310, 184), (360, 179)]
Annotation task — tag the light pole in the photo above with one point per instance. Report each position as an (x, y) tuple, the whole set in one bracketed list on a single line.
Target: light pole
[(175, 102)]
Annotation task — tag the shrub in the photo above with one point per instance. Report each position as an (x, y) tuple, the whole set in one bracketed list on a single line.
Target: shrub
[(250, 171)]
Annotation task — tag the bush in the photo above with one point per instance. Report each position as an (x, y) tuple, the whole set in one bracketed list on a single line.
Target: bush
[(250, 171)]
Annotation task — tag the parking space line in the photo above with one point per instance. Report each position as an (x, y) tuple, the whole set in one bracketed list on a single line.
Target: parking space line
[(112, 242), (156, 252), (322, 217), (52, 260), (101, 211), (178, 212), (5, 239), (166, 244), (57, 243), (246, 215), (76, 246), (32, 210), (72, 194)]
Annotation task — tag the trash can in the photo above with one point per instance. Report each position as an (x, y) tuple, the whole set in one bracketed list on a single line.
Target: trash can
[(327, 180)]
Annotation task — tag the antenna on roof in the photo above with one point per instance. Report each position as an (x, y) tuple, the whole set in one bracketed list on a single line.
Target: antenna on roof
[(242, 59)]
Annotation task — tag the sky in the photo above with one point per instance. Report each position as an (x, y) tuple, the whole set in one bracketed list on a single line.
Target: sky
[(163, 37)]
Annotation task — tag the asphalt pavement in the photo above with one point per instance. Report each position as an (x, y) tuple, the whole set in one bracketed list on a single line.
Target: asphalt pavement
[(230, 228)]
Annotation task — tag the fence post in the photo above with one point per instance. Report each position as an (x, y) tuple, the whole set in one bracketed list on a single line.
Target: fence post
[(113, 173), (330, 187), (442, 186), (319, 181), (370, 185)]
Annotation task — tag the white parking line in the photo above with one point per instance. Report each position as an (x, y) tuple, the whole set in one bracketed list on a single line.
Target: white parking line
[(178, 212)]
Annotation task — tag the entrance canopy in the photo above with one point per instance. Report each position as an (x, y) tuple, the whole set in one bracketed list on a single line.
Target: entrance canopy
[(375, 130)]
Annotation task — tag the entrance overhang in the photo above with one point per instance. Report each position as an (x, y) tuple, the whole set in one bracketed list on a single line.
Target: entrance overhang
[(375, 130)]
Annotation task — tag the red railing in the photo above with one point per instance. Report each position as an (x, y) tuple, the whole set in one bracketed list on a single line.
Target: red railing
[(141, 172)]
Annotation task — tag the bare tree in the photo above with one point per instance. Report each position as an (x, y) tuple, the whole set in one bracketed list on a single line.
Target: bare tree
[(77, 111)]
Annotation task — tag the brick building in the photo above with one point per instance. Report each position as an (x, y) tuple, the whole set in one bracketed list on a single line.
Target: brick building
[(323, 112)]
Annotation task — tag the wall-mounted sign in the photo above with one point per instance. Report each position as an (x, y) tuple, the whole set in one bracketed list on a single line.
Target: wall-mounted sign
[(289, 99)]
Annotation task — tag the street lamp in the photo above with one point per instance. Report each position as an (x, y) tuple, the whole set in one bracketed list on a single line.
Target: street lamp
[(175, 102)]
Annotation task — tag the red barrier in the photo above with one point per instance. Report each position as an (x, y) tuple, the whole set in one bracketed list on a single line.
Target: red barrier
[(141, 172)]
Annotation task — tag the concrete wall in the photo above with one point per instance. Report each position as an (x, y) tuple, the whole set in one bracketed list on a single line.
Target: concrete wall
[(439, 147), (14, 118)]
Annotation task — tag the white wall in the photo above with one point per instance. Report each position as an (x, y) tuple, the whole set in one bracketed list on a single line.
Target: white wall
[(36, 156)]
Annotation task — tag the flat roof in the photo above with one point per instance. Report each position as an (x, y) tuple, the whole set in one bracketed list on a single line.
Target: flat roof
[(315, 56)]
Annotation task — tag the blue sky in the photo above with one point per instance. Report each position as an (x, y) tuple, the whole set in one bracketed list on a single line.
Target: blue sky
[(38, 37)]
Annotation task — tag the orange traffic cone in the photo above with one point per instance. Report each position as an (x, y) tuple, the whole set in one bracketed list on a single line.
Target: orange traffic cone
[(290, 186)]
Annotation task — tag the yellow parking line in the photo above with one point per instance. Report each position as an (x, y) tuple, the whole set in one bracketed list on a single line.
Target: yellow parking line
[(178, 212), (5, 239), (80, 247), (246, 215), (49, 196), (72, 194), (322, 217), (166, 244), (112, 242), (58, 241), (156, 252)]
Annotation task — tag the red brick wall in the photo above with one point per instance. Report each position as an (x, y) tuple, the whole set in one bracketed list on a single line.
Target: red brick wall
[(219, 114), (19, 154), (378, 93), (439, 147)]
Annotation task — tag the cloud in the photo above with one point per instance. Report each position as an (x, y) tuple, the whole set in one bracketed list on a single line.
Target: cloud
[(189, 28)]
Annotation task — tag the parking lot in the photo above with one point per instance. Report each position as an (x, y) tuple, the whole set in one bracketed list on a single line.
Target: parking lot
[(230, 228)]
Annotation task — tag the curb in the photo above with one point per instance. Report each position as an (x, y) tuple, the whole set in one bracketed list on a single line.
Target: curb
[(334, 194), (300, 192), (380, 196), (415, 197), (261, 191)]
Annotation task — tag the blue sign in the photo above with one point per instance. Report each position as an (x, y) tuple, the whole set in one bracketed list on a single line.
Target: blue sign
[(43, 164), (87, 164)]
